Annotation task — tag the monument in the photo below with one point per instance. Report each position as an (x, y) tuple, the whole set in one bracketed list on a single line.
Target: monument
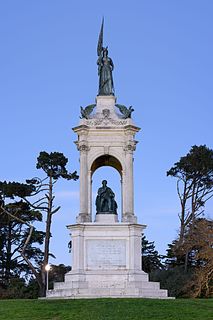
[(106, 253)]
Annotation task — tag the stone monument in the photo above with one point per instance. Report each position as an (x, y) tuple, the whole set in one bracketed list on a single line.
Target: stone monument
[(106, 253)]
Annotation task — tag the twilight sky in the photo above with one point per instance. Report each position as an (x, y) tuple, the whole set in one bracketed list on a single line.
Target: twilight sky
[(162, 51)]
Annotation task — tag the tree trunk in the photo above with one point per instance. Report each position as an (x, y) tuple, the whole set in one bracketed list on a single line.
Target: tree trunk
[(186, 261), (182, 222), (47, 237), (8, 254), (183, 213)]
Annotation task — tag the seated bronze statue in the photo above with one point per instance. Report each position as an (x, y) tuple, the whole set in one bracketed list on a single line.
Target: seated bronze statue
[(105, 200)]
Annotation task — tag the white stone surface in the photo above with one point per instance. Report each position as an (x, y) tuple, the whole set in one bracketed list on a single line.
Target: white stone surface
[(106, 218), (106, 254), (106, 263), (106, 134)]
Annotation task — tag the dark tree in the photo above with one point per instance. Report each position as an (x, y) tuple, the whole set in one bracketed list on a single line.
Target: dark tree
[(57, 273), (16, 219), (151, 260)]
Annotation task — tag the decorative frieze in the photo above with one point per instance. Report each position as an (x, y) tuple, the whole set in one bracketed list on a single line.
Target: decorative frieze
[(105, 122)]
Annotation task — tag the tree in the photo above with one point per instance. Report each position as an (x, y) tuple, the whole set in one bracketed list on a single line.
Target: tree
[(14, 229), (38, 195), (151, 260), (54, 165), (199, 246), (194, 173), (57, 273)]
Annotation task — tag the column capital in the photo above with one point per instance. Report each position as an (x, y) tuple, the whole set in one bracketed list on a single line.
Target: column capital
[(130, 146), (82, 146)]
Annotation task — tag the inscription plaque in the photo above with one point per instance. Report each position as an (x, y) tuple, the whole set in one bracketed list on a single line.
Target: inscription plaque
[(106, 254)]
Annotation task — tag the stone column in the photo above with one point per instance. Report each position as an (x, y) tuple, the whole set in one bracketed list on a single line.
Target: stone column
[(128, 214), (84, 200), (90, 194), (77, 235), (122, 195), (135, 232)]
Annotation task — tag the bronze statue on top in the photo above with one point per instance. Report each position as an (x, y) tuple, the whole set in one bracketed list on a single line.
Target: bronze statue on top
[(105, 200), (105, 67)]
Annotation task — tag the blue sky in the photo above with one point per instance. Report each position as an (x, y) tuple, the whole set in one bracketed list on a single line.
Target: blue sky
[(162, 51)]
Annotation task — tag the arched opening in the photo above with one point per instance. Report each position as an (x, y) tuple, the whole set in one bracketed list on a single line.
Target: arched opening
[(106, 160), (108, 168)]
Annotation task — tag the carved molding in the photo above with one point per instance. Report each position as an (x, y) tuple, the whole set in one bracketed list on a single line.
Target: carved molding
[(106, 122)]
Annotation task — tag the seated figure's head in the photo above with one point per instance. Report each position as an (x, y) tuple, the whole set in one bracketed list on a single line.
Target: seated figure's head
[(104, 183)]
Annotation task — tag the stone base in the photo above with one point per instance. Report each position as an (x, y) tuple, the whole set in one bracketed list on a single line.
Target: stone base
[(106, 218), (103, 284), (106, 262)]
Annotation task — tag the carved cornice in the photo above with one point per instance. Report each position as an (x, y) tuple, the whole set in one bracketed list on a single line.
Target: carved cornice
[(131, 129), (82, 129)]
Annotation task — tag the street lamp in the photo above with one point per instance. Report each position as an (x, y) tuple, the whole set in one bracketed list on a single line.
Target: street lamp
[(47, 268)]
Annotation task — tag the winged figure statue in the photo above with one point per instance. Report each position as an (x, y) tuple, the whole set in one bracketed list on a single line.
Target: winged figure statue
[(126, 112), (85, 112)]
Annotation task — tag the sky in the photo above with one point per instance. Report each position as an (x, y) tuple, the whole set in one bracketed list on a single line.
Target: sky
[(162, 51)]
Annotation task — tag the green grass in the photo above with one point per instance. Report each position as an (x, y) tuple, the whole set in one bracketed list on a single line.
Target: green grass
[(107, 309)]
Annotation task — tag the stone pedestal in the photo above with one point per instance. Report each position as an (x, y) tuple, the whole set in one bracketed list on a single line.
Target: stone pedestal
[(106, 262), (106, 218)]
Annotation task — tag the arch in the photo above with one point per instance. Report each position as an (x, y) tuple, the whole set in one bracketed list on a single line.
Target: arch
[(106, 160)]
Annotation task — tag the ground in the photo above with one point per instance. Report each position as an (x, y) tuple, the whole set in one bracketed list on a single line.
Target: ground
[(107, 309)]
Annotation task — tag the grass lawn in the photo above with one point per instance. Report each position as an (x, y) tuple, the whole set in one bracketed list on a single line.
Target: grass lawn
[(104, 309)]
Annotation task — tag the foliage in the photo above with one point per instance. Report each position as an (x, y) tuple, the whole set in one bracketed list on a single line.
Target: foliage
[(197, 281), (151, 260), (54, 165), (173, 279), (57, 273), (198, 243), (194, 174), (15, 189), (37, 195), (14, 230), (18, 288), (105, 309)]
